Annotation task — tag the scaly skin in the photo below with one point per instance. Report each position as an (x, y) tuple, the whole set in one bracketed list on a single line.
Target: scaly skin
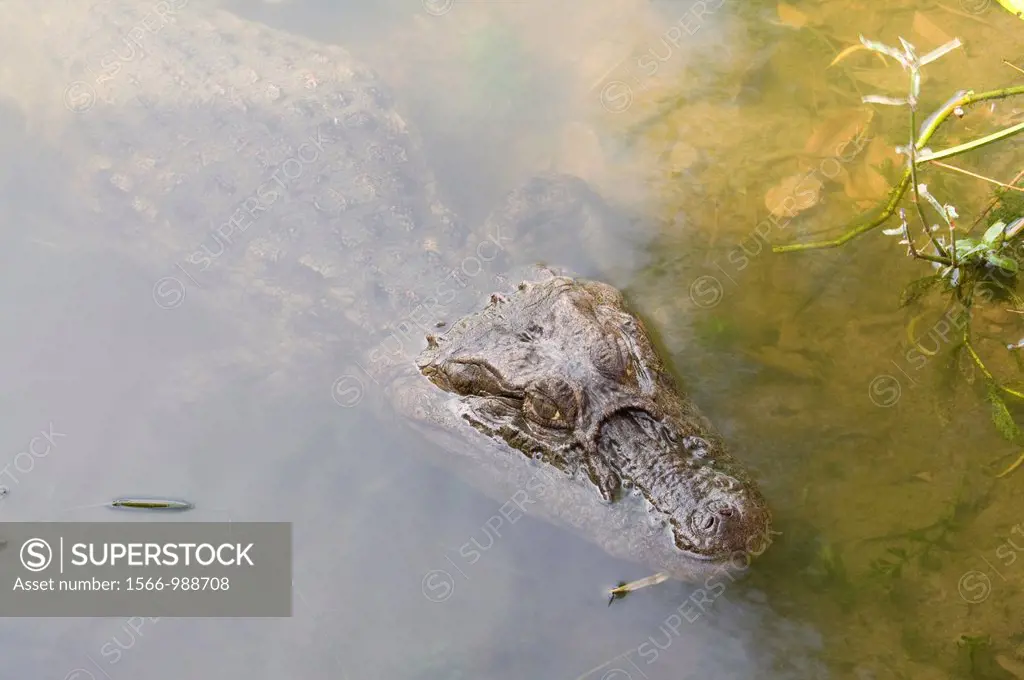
[(559, 380), (225, 156)]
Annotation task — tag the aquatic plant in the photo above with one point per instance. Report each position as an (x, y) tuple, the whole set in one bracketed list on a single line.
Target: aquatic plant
[(967, 267)]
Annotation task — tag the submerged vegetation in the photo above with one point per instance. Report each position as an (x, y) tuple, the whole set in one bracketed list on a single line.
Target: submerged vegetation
[(888, 518), (897, 521), (969, 268)]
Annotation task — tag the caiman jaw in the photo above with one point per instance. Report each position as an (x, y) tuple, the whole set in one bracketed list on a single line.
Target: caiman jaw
[(713, 514)]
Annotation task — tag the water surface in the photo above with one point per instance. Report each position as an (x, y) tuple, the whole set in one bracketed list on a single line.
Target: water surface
[(692, 114)]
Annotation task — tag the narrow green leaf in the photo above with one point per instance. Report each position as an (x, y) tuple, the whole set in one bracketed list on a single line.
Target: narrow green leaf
[(993, 232), (1001, 417), (967, 242), (940, 51), (885, 49), (969, 247), (908, 48), (922, 190), (1007, 263), (882, 99)]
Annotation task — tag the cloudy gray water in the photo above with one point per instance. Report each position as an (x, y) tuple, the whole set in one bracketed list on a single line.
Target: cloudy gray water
[(142, 400)]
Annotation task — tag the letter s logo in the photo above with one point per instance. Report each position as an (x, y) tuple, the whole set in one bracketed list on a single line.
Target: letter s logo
[(36, 554)]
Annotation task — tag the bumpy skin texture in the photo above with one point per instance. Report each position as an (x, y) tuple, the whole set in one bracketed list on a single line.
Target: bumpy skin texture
[(271, 180), (564, 374), (256, 172), (262, 174)]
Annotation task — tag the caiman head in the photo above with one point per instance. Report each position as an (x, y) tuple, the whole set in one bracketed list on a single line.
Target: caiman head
[(561, 371)]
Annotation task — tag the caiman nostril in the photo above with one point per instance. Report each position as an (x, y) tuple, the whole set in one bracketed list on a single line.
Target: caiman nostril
[(726, 511), (708, 523)]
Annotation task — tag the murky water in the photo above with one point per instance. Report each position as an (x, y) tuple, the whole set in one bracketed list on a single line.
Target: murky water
[(897, 539)]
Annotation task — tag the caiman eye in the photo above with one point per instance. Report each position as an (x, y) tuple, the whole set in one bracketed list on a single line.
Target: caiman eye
[(552, 404), (472, 379)]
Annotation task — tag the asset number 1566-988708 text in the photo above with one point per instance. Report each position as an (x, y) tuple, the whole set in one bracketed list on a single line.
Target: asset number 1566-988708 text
[(178, 583)]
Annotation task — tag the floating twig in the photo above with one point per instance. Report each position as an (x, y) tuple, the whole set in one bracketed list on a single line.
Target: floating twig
[(151, 504), (142, 504), (626, 588)]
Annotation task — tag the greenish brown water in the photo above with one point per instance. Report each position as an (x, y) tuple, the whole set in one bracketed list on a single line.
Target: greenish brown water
[(898, 540)]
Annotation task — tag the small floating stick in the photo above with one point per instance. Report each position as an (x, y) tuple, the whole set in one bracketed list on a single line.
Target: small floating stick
[(152, 504), (157, 504), (626, 588), (141, 504)]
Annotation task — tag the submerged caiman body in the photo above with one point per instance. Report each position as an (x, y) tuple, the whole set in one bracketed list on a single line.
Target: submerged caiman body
[(271, 179)]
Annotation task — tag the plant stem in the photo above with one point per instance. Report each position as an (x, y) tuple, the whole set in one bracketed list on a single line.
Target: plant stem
[(912, 160), (897, 192), (977, 359), (1011, 392), (976, 144), (1016, 464), (991, 378), (976, 175), (890, 207)]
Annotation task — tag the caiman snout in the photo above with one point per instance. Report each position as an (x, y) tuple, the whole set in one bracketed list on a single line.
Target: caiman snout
[(715, 511), (714, 519), (734, 526)]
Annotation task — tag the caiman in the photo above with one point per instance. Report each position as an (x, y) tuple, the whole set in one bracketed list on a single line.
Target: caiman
[(272, 179)]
